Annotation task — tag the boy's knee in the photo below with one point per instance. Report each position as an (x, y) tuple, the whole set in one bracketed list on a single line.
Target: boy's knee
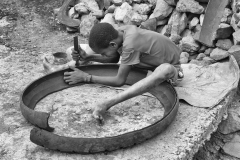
[(166, 69)]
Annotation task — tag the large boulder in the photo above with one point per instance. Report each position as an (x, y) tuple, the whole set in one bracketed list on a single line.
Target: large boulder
[(189, 6)]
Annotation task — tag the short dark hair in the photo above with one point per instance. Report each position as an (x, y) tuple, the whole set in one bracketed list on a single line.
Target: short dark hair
[(101, 35)]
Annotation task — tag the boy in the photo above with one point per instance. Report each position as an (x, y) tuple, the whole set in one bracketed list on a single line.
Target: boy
[(137, 47)]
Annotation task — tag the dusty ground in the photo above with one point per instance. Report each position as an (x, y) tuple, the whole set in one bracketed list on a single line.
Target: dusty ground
[(32, 32)]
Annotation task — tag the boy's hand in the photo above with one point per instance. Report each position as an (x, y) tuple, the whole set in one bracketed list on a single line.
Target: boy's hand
[(81, 55), (75, 76), (98, 113)]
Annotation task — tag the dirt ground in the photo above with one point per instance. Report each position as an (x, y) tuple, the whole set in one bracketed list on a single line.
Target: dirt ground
[(31, 32)]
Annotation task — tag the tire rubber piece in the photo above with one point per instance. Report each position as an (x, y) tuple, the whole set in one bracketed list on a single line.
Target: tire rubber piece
[(54, 82)]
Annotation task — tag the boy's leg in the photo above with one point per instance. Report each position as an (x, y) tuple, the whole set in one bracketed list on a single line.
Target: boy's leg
[(160, 74)]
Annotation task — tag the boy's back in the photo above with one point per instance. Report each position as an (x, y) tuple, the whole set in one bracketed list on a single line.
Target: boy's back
[(146, 48)]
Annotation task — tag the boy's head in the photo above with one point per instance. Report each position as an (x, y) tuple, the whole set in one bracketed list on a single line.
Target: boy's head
[(103, 37)]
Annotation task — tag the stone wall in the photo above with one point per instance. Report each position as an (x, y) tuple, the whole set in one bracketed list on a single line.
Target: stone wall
[(180, 20)]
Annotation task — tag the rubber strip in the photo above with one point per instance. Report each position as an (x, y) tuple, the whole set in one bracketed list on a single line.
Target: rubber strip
[(63, 15), (54, 82)]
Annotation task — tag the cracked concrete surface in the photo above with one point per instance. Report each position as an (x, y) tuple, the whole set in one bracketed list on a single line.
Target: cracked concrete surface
[(32, 32)]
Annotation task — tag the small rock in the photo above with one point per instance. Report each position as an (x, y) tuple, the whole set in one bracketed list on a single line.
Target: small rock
[(133, 17), (164, 30), (188, 44), (232, 147), (71, 12), (227, 13), (208, 51), (235, 5), (235, 49), (178, 22), (224, 44), (235, 20), (120, 12), (197, 31), (117, 2), (186, 32), (150, 24), (232, 123), (184, 54), (142, 8), (91, 5), (224, 31), (208, 60), (108, 18), (152, 2), (193, 56), (98, 13), (87, 22), (200, 56), (218, 54), (199, 63), (111, 9), (202, 49), (162, 10), (81, 8), (236, 37), (183, 60), (162, 22), (175, 38), (193, 23), (159, 29), (189, 6)]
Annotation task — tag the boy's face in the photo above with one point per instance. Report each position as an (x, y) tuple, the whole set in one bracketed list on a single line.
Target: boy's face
[(111, 51)]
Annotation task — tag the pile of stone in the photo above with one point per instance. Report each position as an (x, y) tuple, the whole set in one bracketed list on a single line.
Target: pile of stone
[(180, 20)]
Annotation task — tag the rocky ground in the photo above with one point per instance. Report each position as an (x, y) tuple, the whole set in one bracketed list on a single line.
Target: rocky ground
[(28, 30)]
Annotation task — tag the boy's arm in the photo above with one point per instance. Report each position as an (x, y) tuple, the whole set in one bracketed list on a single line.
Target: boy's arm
[(77, 76), (117, 80), (102, 59)]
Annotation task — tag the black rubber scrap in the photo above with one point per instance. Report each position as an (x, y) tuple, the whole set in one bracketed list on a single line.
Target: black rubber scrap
[(54, 82)]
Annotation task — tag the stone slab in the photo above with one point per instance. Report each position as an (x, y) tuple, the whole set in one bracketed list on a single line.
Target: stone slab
[(181, 140)]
